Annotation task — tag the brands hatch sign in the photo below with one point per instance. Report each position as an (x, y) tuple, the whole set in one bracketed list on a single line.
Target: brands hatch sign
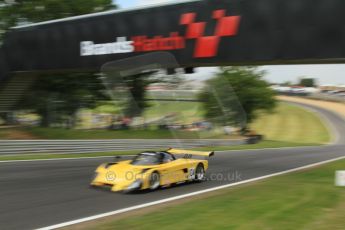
[(195, 32), (205, 46)]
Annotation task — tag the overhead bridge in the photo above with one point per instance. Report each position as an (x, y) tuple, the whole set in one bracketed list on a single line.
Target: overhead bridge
[(196, 33)]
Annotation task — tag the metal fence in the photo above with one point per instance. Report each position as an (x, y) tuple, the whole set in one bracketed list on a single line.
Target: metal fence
[(11, 147)]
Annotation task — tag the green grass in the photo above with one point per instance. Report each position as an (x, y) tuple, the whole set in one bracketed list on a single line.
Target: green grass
[(261, 145), (61, 133), (292, 123), (301, 200)]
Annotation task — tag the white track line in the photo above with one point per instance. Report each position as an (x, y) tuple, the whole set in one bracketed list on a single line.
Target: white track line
[(90, 218)]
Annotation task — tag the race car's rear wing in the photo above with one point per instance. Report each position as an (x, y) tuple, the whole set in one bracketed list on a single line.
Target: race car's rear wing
[(189, 153)]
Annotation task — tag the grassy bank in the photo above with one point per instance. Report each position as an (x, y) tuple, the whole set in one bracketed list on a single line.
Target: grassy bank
[(301, 200), (336, 107), (292, 123), (288, 123)]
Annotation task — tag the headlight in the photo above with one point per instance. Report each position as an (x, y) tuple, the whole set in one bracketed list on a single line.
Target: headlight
[(134, 186)]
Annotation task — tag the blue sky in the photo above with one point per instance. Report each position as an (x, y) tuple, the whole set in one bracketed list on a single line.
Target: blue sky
[(126, 3), (326, 74)]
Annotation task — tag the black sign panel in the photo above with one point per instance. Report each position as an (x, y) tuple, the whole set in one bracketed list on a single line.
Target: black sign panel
[(199, 33)]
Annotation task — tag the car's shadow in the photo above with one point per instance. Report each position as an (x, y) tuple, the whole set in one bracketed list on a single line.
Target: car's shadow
[(146, 191), (172, 186)]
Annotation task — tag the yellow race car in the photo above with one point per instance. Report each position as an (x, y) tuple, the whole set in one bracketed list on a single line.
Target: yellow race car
[(151, 170)]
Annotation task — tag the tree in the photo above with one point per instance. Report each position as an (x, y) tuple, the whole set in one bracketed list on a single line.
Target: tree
[(16, 12), (136, 103), (307, 82), (58, 98), (131, 91), (235, 96), (286, 83)]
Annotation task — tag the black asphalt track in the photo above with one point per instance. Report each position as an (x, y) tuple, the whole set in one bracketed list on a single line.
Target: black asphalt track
[(42, 193)]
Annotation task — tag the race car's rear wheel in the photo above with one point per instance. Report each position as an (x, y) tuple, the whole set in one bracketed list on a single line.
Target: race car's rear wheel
[(154, 181), (199, 173)]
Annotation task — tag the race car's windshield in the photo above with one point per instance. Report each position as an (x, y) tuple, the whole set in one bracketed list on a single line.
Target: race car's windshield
[(147, 159)]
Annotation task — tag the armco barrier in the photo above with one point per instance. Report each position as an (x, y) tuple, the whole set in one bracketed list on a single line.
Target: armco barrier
[(12, 147)]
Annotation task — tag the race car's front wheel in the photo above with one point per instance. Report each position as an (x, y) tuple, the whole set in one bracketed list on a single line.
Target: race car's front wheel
[(154, 181), (199, 173)]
